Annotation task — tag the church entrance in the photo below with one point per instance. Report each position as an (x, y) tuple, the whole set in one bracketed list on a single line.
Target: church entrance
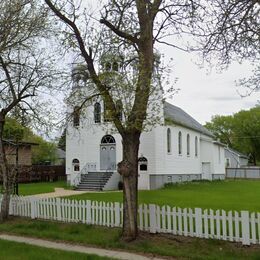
[(108, 153)]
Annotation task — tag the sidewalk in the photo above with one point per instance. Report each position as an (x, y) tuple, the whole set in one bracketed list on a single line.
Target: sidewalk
[(59, 192), (76, 248)]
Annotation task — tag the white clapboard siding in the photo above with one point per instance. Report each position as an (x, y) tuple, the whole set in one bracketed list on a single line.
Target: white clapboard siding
[(233, 226)]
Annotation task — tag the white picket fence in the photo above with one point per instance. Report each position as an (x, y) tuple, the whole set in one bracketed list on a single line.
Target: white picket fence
[(232, 226)]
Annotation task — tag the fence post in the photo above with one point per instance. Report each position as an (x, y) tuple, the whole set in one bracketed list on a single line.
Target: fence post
[(33, 208), (58, 203), (152, 213), (245, 228), (198, 222), (117, 214), (89, 212)]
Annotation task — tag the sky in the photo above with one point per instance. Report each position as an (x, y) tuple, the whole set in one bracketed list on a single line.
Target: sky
[(204, 94)]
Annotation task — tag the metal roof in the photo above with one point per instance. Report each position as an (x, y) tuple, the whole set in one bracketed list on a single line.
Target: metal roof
[(180, 117)]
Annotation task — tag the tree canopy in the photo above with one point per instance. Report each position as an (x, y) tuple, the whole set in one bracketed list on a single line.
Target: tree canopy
[(240, 131)]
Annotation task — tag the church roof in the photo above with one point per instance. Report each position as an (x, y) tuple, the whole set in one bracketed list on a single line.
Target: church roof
[(180, 117)]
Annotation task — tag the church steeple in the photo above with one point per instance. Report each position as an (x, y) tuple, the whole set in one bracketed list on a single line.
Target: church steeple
[(79, 75)]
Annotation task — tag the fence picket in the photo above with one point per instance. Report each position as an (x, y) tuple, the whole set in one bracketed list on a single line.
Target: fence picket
[(237, 236), (158, 219), (185, 222), (253, 229), (174, 221), (140, 211), (145, 210), (212, 222), (218, 224), (198, 220), (169, 223), (163, 228), (258, 224), (223, 225), (245, 228), (230, 226), (191, 224), (117, 214), (206, 224), (152, 213)]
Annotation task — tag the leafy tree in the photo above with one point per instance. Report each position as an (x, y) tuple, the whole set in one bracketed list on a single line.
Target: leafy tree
[(240, 131), (26, 70), (132, 27), (221, 127), (13, 130), (246, 125), (44, 153)]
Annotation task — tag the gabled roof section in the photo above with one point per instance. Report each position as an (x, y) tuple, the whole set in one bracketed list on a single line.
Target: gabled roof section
[(180, 117), (241, 155)]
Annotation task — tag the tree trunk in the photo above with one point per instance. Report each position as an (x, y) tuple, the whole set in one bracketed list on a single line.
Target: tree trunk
[(128, 168), (4, 172)]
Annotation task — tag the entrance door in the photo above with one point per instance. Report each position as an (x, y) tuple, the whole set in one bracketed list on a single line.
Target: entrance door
[(108, 153), (206, 171)]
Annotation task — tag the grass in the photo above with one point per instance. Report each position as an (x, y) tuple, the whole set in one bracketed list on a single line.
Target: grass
[(227, 195), (20, 251), (164, 245), (40, 187)]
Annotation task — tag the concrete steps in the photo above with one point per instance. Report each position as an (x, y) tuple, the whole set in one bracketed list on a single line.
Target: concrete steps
[(94, 181)]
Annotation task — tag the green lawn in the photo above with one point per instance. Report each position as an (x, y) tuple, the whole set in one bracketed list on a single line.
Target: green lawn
[(40, 187), (20, 251), (165, 245), (228, 195)]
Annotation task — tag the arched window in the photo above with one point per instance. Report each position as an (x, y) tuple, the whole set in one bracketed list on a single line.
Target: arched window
[(75, 165), (115, 66), (107, 113), (169, 145), (188, 144), (97, 113), (196, 146), (119, 109), (142, 163), (108, 139), (180, 143), (76, 116), (108, 66)]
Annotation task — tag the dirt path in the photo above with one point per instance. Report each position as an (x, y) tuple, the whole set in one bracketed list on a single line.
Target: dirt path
[(76, 248)]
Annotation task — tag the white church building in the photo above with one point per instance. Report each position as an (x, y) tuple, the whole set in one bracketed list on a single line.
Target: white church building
[(176, 150)]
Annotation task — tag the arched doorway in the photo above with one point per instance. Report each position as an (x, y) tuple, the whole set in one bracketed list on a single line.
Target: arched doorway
[(108, 153)]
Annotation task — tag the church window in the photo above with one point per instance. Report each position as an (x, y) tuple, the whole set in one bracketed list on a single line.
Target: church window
[(115, 66), (97, 113), (180, 143), (119, 109), (169, 145), (108, 66), (142, 163), (107, 113), (188, 144), (75, 164), (196, 146), (108, 139), (76, 116)]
